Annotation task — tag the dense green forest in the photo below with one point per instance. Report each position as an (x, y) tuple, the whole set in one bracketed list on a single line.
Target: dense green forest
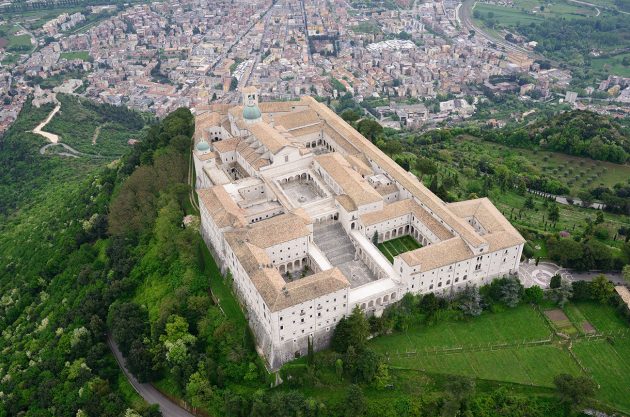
[(57, 278)]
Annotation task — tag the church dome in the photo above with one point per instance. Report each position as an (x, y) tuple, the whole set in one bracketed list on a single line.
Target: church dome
[(203, 146), (251, 112)]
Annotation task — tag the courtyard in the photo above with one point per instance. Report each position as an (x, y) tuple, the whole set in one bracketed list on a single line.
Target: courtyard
[(395, 247), (303, 190)]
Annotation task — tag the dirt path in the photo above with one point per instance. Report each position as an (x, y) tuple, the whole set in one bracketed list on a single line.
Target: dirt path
[(49, 136), (96, 133)]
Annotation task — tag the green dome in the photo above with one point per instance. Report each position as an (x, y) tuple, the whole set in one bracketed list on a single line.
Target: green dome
[(251, 113), (203, 146)]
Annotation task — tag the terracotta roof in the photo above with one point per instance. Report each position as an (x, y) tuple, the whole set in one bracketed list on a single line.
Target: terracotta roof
[(407, 207), (227, 145), (268, 136), (354, 140), (437, 255), (221, 207), (297, 119), (352, 184)]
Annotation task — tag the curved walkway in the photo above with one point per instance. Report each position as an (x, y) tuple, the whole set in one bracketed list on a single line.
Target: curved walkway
[(531, 274), (147, 391)]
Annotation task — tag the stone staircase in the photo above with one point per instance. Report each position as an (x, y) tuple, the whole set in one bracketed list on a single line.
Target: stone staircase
[(334, 242)]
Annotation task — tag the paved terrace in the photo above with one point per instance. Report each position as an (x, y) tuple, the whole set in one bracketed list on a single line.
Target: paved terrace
[(339, 249)]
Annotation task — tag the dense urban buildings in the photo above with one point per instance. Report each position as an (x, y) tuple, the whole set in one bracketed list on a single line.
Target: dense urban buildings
[(294, 203)]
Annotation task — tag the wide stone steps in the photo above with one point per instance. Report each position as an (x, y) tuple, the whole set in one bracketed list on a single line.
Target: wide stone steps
[(333, 241)]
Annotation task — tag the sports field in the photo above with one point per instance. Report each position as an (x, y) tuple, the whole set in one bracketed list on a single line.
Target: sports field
[(395, 247)]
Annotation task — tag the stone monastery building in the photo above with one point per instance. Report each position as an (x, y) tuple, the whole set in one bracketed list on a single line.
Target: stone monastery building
[(293, 201)]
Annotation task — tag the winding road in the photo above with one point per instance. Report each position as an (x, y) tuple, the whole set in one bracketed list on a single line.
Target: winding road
[(147, 391)]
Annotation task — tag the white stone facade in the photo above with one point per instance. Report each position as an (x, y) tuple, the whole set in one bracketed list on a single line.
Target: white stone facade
[(291, 200)]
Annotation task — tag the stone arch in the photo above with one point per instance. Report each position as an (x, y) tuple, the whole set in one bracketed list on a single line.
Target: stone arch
[(386, 298), (379, 301), (303, 176), (296, 264), (386, 236), (371, 304), (393, 296), (362, 306), (282, 269), (400, 231), (352, 226)]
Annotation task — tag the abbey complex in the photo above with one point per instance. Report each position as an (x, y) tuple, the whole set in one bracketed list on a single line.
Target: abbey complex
[(294, 204)]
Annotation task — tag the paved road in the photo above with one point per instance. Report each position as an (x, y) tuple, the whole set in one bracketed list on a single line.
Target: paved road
[(147, 391), (464, 15), (532, 274)]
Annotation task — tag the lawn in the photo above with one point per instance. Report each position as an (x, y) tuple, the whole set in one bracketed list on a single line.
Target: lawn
[(603, 317), (609, 365), (536, 365), (82, 55), (512, 325), (395, 247)]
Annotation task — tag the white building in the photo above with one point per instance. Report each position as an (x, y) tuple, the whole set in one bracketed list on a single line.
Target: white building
[(292, 199)]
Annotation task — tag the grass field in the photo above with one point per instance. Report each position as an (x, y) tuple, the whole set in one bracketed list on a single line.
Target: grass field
[(609, 365), (528, 11), (602, 317), (13, 42), (395, 247), (536, 365), (82, 55), (612, 64), (508, 326)]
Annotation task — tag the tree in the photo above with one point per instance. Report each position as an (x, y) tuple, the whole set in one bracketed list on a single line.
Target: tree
[(429, 304), (470, 301), (529, 203), (355, 404), (553, 213), (511, 291), (351, 331), (127, 322), (533, 294), (199, 390), (425, 166), (339, 368), (574, 391), (602, 289), (555, 282), (366, 366), (375, 238), (349, 115), (562, 294), (370, 129)]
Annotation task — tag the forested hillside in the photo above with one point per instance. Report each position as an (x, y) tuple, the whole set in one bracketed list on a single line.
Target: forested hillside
[(58, 279)]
